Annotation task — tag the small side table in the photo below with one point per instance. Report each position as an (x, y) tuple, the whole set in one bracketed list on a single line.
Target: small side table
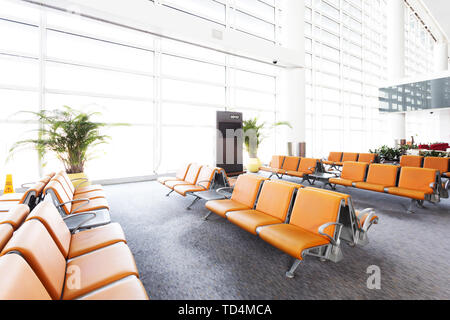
[(322, 177)]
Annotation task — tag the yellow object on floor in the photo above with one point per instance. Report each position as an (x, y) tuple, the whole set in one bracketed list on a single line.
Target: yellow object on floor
[(8, 185)]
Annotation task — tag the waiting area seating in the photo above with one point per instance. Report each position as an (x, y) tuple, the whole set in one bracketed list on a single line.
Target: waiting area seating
[(193, 178), (291, 166), (418, 184), (76, 202), (337, 159), (30, 197), (297, 220), (43, 259)]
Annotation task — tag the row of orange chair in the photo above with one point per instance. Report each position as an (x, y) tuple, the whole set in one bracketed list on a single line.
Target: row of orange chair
[(337, 159), (42, 258), (291, 166), (437, 163), (418, 184), (192, 177), (78, 204), (31, 197), (45, 261), (297, 220)]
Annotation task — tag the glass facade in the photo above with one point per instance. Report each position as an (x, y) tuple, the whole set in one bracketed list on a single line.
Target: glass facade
[(345, 63), (167, 92)]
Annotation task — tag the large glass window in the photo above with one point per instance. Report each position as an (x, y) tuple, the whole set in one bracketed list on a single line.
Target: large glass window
[(346, 61), (165, 92)]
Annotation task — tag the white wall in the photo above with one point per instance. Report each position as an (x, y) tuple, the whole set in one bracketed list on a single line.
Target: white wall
[(428, 126)]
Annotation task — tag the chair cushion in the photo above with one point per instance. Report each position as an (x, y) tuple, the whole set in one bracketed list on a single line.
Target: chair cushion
[(251, 219), (163, 180), (291, 239), (15, 216), (447, 174), (185, 188), (129, 288), (295, 174), (99, 268), (94, 204), (221, 207), (18, 281), (6, 232), (342, 182), (408, 193), (327, 162), (363, 218), (93, 187), (370, 186), (172, 183), (90, 195), (96, 238)]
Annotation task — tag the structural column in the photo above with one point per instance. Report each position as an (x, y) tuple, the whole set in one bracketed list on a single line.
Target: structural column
[(441, 56), (292, 79), (396, 60)]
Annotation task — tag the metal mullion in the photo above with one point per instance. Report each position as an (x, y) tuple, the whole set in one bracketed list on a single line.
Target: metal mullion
[(85, 35), (97, 66), (95, 95)]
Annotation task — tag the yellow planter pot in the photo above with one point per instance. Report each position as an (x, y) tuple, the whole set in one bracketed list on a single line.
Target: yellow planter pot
[(81, 182), (253, 165)]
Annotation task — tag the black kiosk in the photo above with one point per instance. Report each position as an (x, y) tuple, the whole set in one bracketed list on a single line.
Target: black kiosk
[(229, 142)]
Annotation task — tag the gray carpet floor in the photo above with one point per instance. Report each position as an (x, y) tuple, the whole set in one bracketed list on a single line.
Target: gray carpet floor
[(180, 256)]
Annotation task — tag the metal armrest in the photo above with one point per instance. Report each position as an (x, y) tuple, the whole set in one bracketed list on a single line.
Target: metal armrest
[(222, 191), (326, 225), (24, 185), (368, 221), (79, 179), (75, 200), (201, 186), (84, 221)]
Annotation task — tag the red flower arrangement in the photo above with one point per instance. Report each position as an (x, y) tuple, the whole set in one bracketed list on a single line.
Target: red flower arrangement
[(440, 146)]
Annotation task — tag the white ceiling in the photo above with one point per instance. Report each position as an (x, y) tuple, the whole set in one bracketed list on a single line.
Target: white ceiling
[(440, 10)]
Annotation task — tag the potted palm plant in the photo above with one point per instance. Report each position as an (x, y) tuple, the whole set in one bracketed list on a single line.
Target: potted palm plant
[(68, 133), (253, 137)]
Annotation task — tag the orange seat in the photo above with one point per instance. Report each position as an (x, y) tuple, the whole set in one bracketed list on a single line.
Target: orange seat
[(68, 185), (100, 268), (311, 211), (275, 164), (441, 164), (129, 288), (306, 166), (292, 239), (411, 161), (351, 172), (367, 157), (243, 197), (18, 281), (59, 192), (180, 175), (204, 180), (84, 274), (15, 216), (272, 207), (347, 156), (191, 177), (333, 157), (379, 177), (415, 183), (6, 232), (289, 164), (73, 245)]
